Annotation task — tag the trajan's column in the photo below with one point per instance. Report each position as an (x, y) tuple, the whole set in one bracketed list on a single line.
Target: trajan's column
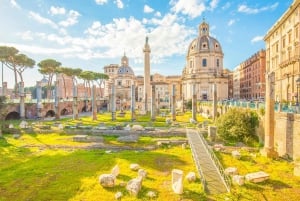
[(147, 88)]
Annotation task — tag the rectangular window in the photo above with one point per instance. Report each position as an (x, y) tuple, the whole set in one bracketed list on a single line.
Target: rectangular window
[(218, 63), (204, 63), (290, 37)]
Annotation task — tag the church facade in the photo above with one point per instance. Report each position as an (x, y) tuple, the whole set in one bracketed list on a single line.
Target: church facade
[(204, 68)]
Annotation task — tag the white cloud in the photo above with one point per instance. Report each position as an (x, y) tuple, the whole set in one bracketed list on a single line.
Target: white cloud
[(42, 20), (14, 4), (245, 9), (57, 10), (226, 6), (71, 20), (119, 4), (101, 2), (193, 9), (257, 39), (148, 9), (27, 35), (157, 14), (213, 4), (231, 22)]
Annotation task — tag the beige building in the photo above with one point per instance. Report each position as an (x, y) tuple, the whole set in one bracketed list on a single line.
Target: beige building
[(204, 67), (283, 53), (122, 77), (236, 82)]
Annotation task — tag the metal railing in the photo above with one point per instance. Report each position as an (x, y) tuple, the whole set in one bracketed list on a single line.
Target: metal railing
[(197, 160), (278, 107), (226, 179)]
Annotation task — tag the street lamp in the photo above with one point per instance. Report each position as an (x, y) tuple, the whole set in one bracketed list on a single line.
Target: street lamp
[(298, 86)]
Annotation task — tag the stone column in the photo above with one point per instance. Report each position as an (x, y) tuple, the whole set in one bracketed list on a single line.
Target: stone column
[(269, 116), (132, 108), (56, 101), (75, 103), (4, 88), (173, 103), (147, 87), (194, 103), (94, 101), (153, 103), (215, 101), (39, 104), (22, 100), (158, 103), (182, 101), (113, 103)]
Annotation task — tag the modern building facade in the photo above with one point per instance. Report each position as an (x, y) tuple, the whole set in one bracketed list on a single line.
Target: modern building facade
[(283, 53), (204, 68)]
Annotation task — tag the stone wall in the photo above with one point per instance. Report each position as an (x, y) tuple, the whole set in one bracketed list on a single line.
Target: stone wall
[(286, 131), (287, 134)]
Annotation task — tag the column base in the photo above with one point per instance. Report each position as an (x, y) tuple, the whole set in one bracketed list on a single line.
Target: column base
[(269, 152), (297, 169)]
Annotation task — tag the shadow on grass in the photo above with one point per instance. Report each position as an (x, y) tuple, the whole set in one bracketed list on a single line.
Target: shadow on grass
[(276, 184), (3, 142), (192, 195), (58, 175)]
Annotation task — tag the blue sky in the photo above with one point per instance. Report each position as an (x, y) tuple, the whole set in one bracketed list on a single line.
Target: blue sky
[(90, 34)]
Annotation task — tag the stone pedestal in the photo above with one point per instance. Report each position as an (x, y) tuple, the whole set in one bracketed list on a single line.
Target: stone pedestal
[(212, 133), (297, 168), (177, 181)]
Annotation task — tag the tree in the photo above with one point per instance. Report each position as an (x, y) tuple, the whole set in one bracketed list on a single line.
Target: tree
[(88, 77), (100, 78), (7, 55), (49, 67), (22, 63), (70, 72), (238, 125)]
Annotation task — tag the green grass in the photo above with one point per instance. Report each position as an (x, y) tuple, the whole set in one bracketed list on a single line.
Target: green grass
[(36, 167), (56, 174), (281, 186)]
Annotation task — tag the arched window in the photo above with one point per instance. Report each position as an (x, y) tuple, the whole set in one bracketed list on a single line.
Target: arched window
[(204, 63), (218, 63)]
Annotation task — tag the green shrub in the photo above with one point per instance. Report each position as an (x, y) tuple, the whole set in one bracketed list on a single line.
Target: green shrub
[(238, 125)]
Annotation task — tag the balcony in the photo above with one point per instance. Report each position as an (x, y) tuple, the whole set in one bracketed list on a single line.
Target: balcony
[(289, 61)]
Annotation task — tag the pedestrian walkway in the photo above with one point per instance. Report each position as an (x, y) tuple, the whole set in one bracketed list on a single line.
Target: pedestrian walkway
[(208, 168)]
